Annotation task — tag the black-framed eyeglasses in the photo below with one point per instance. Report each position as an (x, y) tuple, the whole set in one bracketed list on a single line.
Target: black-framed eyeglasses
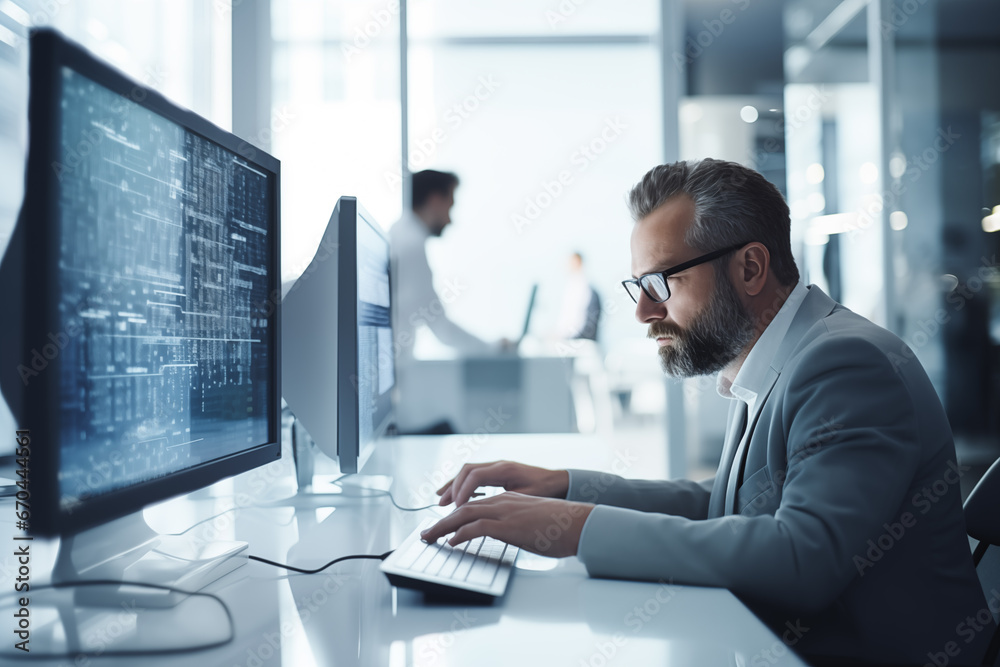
[(655, 284)]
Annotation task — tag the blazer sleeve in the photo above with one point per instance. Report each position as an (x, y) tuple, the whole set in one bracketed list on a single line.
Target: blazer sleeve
[(852, 452), (679, 497)]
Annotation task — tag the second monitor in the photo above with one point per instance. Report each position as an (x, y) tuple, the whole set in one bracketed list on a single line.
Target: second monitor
[(337, 354)]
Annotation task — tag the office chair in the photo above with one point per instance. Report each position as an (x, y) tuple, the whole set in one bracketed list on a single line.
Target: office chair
[(982, 520)]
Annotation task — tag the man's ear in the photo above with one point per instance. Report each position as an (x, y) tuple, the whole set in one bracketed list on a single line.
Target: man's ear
[(752, 266)]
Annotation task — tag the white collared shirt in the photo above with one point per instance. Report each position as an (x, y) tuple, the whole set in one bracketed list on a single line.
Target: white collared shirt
[(746, 385), (415, 301)]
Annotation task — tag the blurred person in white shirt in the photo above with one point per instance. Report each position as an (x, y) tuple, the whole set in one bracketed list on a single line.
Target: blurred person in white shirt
[(581, 305), (416, 303)]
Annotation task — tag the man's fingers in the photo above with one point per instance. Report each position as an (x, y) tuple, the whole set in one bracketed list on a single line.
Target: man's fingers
[(478, 528), (448, 524), (468, 513), (472, 481), (455, 485), (446, 497), (447, 485)]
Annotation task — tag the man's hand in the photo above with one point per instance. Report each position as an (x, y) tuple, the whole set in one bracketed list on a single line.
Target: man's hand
[(544, 526), (511, 476)]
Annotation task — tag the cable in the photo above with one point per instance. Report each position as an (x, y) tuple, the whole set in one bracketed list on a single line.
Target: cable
[(381, 492), (130, 652), (225, 511), (320, 569)]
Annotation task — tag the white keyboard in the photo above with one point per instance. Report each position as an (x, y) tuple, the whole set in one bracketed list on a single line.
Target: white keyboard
[(476, 571)]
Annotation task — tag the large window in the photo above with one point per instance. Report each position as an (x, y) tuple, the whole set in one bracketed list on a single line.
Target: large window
[(336, 115), (180, 48), (548, 116)]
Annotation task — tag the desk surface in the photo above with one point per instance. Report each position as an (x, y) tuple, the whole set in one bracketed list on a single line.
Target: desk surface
[(552, 614)]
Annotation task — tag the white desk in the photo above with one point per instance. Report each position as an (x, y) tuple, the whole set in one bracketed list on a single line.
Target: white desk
[(553, 614)]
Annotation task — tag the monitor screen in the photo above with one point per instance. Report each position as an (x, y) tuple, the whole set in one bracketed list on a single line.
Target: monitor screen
[(376, 370), (163, 254), (150, 258)]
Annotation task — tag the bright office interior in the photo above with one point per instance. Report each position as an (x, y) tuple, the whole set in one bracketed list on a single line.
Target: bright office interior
[(512, 98), (889, 158)]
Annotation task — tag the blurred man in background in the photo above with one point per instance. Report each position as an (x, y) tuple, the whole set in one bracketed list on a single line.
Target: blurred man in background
[(416, 302)]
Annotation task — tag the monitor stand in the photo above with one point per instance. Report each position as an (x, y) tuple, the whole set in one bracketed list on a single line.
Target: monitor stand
[(128, 550)]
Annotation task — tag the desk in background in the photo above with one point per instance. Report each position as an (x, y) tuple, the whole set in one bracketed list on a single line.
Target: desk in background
[(496, 394)]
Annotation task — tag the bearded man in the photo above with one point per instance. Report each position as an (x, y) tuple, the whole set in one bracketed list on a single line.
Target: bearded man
[(836, 439)]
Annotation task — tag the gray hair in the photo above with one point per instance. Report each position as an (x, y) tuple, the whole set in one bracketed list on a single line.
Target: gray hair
[(733, 204)]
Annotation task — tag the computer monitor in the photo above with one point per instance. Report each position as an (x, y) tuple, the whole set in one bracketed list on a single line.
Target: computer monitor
[(337, 356), (142, 355)]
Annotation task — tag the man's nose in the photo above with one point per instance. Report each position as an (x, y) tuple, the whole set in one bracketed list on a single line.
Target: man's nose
[(648, 311)]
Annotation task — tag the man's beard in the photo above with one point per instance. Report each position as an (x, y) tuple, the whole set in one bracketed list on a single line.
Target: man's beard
[(438, 228), (715, 338)]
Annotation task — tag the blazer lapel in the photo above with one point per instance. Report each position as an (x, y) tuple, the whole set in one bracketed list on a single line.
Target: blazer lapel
[(815, 307), (736, 421), (739, 460)]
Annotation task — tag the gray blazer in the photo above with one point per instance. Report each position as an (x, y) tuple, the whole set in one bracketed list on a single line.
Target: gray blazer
[(838, 511)]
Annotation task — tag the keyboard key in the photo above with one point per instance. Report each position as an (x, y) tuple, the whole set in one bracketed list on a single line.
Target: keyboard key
[(408, 558), (459, 556), (482, 572), (462, 571), (425, 557), (509, 554), (437, 562)]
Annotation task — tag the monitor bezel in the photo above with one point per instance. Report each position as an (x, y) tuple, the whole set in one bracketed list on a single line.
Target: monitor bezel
[(351, 453), (50, 52)]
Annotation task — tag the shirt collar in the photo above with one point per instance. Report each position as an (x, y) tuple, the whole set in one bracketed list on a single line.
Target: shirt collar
[(413, 225), (746, 385)]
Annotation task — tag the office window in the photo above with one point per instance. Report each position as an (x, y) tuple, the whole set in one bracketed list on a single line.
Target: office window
[(336, 115), (180, 48), (548, 125)]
